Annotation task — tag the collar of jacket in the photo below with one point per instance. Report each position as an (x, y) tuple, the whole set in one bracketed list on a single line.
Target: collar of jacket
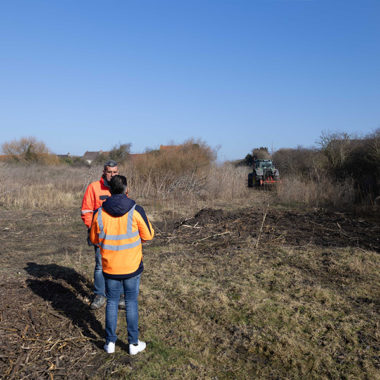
[(104, 182), (118, 204)]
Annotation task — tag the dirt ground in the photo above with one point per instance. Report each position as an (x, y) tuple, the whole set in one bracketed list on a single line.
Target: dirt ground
[(46, 325), (321, 228)]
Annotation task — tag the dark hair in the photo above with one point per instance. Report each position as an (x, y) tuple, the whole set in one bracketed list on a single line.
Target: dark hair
[(110, 163), (118, 184)]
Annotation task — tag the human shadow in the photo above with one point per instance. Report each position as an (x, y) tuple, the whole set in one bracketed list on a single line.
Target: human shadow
[(61, 286), (80, 283)]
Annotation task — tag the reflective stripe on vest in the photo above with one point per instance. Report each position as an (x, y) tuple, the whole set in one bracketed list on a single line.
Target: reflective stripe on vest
[(128, 235)]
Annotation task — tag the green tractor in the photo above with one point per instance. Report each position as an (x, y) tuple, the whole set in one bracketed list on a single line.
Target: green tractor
[(264, 173)]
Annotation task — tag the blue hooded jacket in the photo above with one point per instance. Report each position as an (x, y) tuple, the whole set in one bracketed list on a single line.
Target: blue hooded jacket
[(118, 205)]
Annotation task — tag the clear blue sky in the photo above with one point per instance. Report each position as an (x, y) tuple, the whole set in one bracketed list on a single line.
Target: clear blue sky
[(88, 74)]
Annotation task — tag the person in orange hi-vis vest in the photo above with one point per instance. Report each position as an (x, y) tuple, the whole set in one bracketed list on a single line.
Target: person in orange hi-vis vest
[(96, 193), (119, 227)]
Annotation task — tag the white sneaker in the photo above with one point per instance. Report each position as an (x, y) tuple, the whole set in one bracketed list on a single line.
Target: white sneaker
[(136, 348), (109, 347)]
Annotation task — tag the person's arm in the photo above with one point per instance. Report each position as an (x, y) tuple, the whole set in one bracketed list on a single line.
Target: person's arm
[(145, 228), (88, 206), (94, 231)]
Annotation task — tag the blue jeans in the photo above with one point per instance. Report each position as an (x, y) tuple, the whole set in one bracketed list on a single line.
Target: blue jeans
[(99, 284), (98, 274), (131, 291)]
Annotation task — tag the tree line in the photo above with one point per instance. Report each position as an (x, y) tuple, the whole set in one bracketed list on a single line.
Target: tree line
[(338, 157)]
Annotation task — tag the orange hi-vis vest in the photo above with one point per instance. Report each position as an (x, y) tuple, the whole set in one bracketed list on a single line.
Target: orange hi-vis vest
[(119, 239), (96, 193)]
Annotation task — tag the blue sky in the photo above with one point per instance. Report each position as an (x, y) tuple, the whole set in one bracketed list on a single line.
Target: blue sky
[(89, 74)]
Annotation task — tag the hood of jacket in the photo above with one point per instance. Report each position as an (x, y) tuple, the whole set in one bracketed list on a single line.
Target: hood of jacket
[(118, 204)]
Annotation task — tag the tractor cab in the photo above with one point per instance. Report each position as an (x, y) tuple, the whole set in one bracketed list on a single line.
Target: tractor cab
[(264, 173)]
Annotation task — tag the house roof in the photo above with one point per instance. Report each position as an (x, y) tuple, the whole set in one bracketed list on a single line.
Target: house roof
[(92, 155), (168, 147)]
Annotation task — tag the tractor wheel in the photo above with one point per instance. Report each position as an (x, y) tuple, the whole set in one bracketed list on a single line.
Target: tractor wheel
[(250, 180)]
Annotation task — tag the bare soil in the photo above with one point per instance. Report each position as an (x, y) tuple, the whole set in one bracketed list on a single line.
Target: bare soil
[(293, 228), (46, 325)]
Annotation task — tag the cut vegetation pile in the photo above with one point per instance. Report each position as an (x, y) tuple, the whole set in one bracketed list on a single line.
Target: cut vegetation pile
[(227, 293)]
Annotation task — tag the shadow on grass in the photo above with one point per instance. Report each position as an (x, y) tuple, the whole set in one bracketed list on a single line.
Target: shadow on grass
[(56, 272), (61, 286), (65, 301)]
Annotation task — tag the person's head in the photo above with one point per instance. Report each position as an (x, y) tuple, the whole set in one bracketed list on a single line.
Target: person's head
[(118, 185), (110, 170)]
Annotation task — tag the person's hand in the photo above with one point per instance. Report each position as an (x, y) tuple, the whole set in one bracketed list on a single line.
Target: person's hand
[(89, 242)]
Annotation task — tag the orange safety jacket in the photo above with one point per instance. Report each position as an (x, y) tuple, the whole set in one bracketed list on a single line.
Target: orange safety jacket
[(119, 239), (96, 193)]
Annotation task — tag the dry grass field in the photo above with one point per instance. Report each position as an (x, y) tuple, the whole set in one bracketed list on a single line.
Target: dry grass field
[(236, 284)]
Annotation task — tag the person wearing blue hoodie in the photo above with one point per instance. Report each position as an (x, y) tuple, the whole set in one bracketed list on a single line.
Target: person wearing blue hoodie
[(119, 227)]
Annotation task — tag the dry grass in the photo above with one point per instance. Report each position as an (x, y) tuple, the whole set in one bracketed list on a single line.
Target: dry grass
[(42, 186), (223, 307), (47, 187), (314, 193), (252, 314), (224, 182)]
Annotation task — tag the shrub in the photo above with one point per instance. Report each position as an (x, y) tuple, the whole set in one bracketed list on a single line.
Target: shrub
[(28, 150), (167, 170), (257, 153), (74, 161), (356, 158), (343, 162), (261, 153), (298, 162), (246, 161), (119, 153)]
